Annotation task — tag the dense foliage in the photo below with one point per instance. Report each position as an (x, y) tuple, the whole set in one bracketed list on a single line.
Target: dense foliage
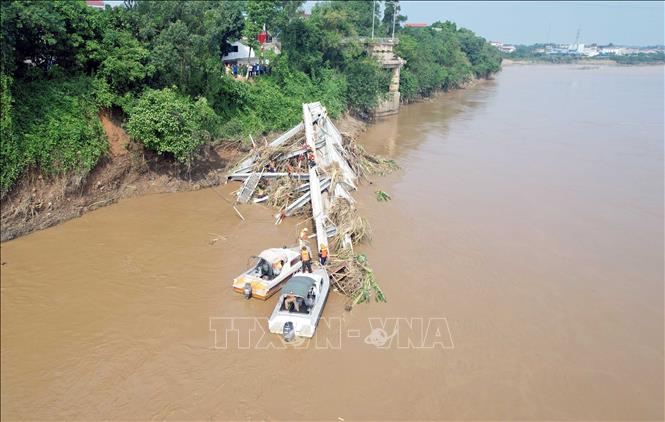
[(166, 121), (442, 57), (55, 127), (159, 62)]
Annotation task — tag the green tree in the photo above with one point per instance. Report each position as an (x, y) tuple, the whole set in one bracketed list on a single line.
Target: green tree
[(366, 82), (39, 35), (442, 57), (304, 47), (168, 122), (273, 15), (124, 61), (350, 18), (186, 40), (484, 59), (174, 55), (392, 7)]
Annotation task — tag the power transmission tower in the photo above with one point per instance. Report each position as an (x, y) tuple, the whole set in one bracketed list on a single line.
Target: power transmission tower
[(577, 38)]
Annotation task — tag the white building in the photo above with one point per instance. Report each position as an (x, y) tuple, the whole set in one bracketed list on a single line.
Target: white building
[(504, 48), (241, 53), (612, 51), (576, 48), (590, 51)]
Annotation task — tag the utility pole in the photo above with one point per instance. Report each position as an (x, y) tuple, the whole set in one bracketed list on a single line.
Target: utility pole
[(373, 9), (394, 14)]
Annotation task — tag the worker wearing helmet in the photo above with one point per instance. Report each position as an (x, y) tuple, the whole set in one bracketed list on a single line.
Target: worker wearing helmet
[(304, 235), (323, 254), (306, 259)]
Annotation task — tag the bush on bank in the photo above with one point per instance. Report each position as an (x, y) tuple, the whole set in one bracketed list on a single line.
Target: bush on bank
[(168, 122), (54, 127)]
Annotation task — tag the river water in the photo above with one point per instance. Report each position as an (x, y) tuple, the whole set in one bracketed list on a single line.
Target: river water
[(521, 254)]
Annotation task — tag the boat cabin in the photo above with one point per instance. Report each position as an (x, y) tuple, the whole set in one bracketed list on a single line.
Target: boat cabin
[(299, 295), (269, 264)]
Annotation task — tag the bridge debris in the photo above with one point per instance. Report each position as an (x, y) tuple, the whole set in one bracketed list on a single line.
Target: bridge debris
[(312, 169)]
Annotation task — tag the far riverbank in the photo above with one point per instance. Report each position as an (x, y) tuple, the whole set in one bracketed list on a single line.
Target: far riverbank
[(598, 62)]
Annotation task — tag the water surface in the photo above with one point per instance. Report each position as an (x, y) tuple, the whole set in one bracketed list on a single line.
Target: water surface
[(528, 213)]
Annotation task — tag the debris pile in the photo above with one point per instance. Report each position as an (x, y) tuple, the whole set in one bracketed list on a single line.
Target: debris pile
[(365, 164), (311, 170)]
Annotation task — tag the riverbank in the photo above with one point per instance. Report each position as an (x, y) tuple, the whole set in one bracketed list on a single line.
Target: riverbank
[(466, 85), (129, 170), (37, 202), (598, 62)]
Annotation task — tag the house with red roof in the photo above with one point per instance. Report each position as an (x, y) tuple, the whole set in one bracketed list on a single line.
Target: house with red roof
[(97, 4)]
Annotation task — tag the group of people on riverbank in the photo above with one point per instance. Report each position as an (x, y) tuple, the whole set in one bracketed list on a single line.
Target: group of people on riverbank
[(246, 72)]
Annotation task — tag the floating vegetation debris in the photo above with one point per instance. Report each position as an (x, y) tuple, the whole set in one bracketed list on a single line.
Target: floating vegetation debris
[(382, 196), (365, 164), (352, 275), (369, 286)]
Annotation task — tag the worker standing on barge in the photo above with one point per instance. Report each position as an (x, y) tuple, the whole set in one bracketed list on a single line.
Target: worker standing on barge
[(323, 254), (306, 259)]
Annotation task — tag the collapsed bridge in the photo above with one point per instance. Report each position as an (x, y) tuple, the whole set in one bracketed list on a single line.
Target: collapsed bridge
[(312, 165)]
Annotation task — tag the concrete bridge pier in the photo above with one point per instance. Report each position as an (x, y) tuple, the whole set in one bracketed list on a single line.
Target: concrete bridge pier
[(382, 50)]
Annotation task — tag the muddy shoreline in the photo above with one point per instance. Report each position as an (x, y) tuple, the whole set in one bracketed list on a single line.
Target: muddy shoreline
[(38, 202)]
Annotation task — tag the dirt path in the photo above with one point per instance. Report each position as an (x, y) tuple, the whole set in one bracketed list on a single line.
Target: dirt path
[(118, 138)]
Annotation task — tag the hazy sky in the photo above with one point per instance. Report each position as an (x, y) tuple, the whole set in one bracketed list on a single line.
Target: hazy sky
[(528, 22)]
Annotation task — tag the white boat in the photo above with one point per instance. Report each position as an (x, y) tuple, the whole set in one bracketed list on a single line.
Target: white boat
[(298, 316), (264, 278)]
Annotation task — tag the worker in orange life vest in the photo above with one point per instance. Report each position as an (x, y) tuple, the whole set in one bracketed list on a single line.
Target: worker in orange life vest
[(306, 259), (323, 254)]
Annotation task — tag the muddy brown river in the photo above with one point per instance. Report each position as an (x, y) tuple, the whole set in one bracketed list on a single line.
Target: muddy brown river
[(521, 254)]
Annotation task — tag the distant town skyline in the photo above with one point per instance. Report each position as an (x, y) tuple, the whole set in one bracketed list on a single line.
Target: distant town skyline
[(530, 22)]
